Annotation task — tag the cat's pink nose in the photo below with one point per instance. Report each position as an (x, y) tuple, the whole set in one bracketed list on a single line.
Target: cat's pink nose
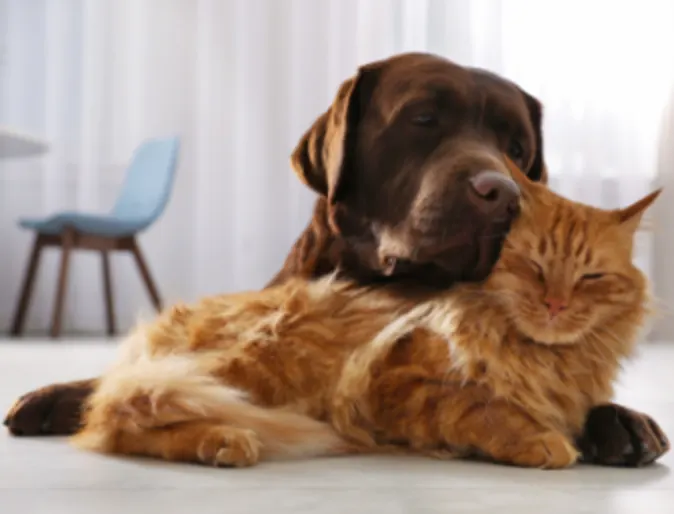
[(555, 306)]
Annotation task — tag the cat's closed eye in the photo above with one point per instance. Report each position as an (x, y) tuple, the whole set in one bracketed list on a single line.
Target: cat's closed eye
[(592, 276), (540, 274)]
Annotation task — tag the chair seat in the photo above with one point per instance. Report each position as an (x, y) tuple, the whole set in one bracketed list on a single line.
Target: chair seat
[(92, 224)]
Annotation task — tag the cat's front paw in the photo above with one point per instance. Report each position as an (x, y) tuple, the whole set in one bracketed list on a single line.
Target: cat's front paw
[(550, 450), (230, 447), (617, 436)]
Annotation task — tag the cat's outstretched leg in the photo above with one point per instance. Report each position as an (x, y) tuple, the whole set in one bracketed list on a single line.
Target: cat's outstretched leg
[(167, 420), (505, 433), (460, 419), (203, 442)]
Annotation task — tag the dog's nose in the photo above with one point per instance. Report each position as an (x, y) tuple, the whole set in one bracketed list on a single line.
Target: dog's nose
[(494, 193)]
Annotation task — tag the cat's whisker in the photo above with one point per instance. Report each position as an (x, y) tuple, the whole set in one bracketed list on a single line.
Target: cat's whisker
[(603, 333)]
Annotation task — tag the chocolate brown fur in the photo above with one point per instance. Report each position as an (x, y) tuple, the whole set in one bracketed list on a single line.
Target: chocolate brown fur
[(391, 159)]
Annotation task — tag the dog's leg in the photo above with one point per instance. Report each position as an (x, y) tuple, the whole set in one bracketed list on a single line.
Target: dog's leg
[(617, 436), (52, 410)]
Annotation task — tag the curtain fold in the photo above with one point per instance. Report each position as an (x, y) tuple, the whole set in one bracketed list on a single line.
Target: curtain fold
[(663, 244), (240, 80)]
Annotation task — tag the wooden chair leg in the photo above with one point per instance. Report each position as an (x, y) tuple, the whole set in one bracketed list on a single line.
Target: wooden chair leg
[(107, 287), (67, 240), (27, 287), (145, 273)]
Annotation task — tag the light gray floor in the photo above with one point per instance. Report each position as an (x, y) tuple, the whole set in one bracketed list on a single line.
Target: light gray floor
[(49, 476)]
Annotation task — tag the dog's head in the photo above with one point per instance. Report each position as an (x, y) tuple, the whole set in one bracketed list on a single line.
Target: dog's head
[(409, 158)]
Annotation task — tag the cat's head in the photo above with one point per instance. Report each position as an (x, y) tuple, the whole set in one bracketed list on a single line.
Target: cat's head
[(566, 268)]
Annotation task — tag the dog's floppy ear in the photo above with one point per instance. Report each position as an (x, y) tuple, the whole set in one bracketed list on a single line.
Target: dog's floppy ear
[(538, 170), (324, 151)]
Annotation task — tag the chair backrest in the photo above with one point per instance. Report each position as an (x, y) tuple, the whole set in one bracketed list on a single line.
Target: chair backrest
[(149, 181)]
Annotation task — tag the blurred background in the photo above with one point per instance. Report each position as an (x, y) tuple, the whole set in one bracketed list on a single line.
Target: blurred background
[(240, 80)]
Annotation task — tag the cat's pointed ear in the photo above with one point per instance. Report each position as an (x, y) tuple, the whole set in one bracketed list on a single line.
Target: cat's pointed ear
[(526, 185), (630, 217)]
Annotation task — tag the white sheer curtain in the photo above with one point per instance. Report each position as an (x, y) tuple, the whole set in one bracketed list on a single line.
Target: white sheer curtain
[(240, 80)]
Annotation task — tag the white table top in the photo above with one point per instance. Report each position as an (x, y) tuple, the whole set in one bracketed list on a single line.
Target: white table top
[(15, 144)]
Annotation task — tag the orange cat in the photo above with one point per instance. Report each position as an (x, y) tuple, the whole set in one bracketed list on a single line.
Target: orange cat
[(504, 370)]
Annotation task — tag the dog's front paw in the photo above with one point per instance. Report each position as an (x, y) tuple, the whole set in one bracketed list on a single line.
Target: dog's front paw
[(51, 410), (617, 436)]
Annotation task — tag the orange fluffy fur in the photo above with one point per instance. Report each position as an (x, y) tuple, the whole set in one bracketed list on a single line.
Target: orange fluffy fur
[(326, 367)]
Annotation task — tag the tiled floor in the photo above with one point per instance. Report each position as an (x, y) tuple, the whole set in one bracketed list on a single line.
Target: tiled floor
[(48, 476)]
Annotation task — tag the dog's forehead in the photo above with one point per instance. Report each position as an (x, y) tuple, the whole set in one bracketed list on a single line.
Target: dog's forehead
[(412, 77), (489, 83)]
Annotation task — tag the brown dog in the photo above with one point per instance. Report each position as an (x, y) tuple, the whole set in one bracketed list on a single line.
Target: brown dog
[(407, 163), (412, 190)]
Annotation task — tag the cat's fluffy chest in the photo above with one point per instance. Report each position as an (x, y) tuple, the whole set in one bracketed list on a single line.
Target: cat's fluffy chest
[(558, 384)]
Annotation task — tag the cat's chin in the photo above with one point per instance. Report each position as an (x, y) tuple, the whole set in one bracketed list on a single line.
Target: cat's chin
[(551, 335)]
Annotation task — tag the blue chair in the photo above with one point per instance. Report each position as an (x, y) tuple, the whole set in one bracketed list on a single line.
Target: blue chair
[(143, 198)]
